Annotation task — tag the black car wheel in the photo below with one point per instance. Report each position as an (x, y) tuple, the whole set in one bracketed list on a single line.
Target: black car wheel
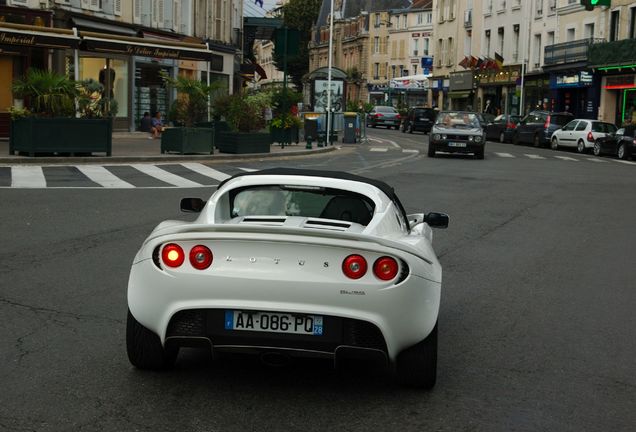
[(580, 147), (536, 141), (431, 150), (144, 347), (502, 137), (515, 139), (622, 154), (411, 128), (417, 365), (597, 148), (554, 145)]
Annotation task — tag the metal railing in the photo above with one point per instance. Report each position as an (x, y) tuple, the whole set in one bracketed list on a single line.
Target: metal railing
[(568, 52)]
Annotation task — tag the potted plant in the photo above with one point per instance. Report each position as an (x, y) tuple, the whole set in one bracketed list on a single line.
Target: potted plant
[(64, 117), (285, 128), (190, 112), (245, 118)]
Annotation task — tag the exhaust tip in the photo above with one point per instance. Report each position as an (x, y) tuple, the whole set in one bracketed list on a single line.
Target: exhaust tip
[(275, 359)]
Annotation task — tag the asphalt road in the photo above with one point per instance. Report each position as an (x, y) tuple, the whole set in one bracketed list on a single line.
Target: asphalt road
[(536, 328)]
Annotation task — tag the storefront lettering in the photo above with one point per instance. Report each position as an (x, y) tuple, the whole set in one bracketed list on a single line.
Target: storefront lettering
[(16, 40), (152, 52)]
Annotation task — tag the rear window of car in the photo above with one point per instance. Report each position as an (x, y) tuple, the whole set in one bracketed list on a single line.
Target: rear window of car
[(430, 114), (304, 201), (560, 119), (385, 109), (603, 127)]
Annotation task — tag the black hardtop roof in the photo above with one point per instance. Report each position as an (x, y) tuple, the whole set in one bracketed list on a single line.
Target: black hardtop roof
[(388, 190)]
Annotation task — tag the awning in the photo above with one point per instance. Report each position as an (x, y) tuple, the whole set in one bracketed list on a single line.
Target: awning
[(28, 36), (144, 47), (85, 24), (458, 94)]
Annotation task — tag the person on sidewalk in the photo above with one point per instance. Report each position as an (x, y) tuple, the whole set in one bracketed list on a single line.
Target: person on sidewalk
[(157, 125), (146, 123)]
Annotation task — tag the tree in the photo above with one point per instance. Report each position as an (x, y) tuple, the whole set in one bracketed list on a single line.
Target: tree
[(301, 15)]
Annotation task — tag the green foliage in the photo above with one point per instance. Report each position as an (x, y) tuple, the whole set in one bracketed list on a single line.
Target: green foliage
[(191, 105), (243, 112), (301, 15), (285, 121), (50, 94), (16, 113), (280, 99)]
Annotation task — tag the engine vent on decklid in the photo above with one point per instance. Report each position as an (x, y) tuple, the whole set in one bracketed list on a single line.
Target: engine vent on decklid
[(327, 224), (264, 220), (298, 222)]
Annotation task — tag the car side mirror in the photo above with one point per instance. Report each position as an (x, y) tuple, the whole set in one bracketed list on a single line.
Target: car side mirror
[(192, 205), (437, 220)]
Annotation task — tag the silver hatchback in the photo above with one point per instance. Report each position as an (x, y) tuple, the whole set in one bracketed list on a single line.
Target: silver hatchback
[(457, 132)]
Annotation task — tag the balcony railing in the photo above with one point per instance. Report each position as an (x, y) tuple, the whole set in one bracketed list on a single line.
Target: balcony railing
[(569, 52)]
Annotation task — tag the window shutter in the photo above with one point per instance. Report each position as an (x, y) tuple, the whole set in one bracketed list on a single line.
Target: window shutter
[(176, 16), (118, 7), (137, 11)]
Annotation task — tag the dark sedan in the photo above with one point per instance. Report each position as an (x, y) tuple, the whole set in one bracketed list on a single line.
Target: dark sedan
[(502, 128), (419, 119), (383, 116), (537, 127), (621, 144)]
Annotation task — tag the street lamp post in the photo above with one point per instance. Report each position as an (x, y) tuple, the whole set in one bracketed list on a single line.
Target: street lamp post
[(329, 119)]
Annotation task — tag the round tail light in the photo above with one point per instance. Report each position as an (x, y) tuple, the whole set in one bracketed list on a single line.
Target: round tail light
[(172, 255), (385, 268), (354, 266), (200, 257)]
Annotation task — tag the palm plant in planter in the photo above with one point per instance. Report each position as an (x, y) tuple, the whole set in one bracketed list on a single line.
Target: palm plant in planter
[(59, 119), (244, 114), (190, 112), (285, 125)]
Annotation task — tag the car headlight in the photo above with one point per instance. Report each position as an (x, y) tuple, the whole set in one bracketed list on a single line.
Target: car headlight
[(470, 137), (478, 138), (443, 137), (436, 137)]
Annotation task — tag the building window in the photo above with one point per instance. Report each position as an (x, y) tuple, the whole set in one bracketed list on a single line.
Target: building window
[(632, 23), (515, 43), (570, 35), (614, 25), (415, 51), (537, 51), (500, 32), (420, 18), (376, 45), (589, 31), (376, 71), (377, 20), (429, 17), (426, 46), (539, 7), (487, 43)]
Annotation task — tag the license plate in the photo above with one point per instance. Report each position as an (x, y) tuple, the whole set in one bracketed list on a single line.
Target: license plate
[(274, 322), (456, 144)]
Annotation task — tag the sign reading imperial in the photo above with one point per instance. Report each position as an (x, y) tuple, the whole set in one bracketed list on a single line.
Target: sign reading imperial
[(152, 52), (11, 39)]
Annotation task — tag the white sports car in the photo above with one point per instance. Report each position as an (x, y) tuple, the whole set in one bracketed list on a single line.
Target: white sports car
[(288, 262)]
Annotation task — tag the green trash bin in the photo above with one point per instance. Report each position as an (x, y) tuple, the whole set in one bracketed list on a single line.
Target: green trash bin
[(350, 135)]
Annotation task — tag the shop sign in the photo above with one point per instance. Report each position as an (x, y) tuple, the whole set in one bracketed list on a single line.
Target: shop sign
[(13, 39), (580, 79), (415, 35), (376, 88), (504, 77), (415, 61), (145, 49), (461, 80), (426, 34), (27, 39)]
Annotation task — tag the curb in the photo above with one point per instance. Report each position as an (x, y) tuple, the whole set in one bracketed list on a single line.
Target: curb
[(66, 160)]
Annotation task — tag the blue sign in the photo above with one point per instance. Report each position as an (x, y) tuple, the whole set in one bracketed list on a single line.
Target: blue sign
[(427, 62), (578, 79)]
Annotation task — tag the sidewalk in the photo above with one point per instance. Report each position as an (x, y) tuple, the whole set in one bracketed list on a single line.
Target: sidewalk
[(136, 147)]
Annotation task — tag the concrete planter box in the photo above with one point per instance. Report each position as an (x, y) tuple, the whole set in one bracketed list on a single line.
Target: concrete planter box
[(218, 126), (285, 136), (34, 136), (244, 142), (185, 140)]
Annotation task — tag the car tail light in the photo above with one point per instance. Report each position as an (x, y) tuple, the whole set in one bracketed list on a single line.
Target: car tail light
[(200, 257), (378, 115), (398, 117), (511, 125), (547, 123), (385, 268), (354, 266), (590, 136), (172, 255)]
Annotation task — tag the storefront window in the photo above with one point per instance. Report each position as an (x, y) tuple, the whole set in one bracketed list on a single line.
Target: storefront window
[(95, 68)]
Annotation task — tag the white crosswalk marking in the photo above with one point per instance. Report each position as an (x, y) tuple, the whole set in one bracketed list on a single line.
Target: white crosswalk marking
[(534, 156), (379, 149), (566, 158), (596, 160), (165, 176), (102, 176), (410, 151), (625, 162), (27, 177), (206, 171), (504, 155)]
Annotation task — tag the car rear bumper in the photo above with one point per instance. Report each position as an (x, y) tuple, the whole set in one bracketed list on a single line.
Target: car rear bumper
[(393, 318)]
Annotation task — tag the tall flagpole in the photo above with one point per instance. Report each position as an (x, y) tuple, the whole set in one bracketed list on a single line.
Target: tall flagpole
[(329, 74)]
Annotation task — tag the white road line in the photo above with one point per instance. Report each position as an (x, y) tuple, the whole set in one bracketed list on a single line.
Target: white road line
[(393, 143), (595, 160), (206, 171), (378, 149), (533, 156), (248, 169), (410, 151), (165, 176), (375, 140), (27, 177), (102, 176), (504, 155), (566, 158), (624, 162)]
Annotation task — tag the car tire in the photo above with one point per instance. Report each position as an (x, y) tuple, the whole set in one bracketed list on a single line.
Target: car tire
[(502, 137), (144, 347), (431, 150), (580, 147), (597, 148), (403, 128), (554, 145), (515, 139), (621, 152), (535, 141), (417, 365), (410, 128)]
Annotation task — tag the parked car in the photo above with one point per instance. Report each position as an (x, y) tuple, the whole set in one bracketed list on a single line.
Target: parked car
[(621, 144), (537, 127), (383, 116), (288, 263), (457, 132), (419, 119), (502, 128), (580, 134)]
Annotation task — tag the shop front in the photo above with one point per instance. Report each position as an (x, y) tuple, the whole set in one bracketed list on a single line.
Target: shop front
[(537, 94), (378, 94), (461, 90), (499, 90), (576, 92), (620, 98), (439, 88)]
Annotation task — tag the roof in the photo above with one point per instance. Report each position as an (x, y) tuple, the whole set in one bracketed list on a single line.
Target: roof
[(385, 188)]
